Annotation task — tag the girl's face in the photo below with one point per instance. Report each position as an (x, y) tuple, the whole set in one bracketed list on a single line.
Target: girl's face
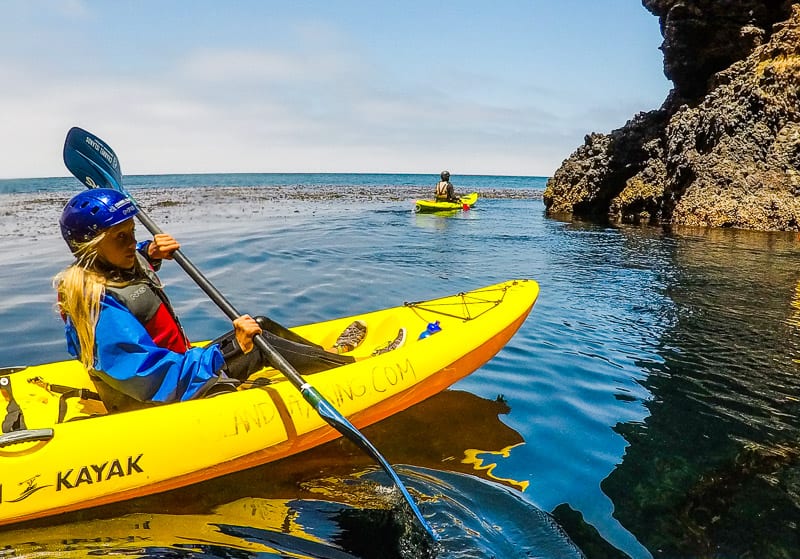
[(118, 247)]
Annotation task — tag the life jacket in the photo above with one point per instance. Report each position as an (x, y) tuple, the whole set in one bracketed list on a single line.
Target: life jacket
[(443, 190), (147, 301)]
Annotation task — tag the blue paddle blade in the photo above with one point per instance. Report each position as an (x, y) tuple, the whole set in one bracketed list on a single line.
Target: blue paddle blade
[(91, 160)]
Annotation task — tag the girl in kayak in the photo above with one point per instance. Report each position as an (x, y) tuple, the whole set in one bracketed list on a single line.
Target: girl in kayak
[(444, 189), (122, 327)]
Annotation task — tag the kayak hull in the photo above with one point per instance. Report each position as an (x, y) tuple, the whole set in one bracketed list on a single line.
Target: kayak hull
[(431, 206), (93, 458)]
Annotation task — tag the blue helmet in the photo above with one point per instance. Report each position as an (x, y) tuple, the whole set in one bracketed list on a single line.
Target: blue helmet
[(91, 211)]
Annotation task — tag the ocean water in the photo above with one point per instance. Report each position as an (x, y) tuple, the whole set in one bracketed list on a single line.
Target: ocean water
[(648, 407)]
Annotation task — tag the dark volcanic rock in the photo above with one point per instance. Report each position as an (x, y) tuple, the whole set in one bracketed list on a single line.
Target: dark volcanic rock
[(724, 149), (703, 37)]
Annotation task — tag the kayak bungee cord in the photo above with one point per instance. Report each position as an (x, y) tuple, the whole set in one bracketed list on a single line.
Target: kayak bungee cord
[(436, 308)]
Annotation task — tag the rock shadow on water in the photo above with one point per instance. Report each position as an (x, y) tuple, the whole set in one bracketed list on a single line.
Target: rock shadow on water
[(714, 468)]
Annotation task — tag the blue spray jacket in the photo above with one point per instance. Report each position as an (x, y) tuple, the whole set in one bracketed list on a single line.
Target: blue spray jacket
[(129, 361)]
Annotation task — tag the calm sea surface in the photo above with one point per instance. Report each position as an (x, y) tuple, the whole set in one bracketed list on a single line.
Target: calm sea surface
[(649, 406)]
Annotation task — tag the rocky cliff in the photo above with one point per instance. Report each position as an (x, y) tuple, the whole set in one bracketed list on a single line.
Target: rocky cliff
[(724, 148)]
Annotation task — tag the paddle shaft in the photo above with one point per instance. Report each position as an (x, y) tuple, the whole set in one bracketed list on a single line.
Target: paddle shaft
[(219, 299)]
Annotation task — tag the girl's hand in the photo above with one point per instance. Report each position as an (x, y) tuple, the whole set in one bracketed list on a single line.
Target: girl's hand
[(162, 247), (246, 328)]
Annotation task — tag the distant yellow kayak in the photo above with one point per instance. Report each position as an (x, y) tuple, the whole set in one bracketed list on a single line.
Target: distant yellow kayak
[(70, 454), (428, 206)]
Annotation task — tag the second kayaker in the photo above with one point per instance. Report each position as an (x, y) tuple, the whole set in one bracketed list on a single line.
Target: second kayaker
[(444, 189)]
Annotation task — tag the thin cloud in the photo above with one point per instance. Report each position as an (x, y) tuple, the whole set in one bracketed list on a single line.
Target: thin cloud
[(307, 94), (241, 66)]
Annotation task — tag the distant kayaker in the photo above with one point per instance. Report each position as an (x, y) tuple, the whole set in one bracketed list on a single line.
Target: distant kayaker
[(122, 327), (444, 189)]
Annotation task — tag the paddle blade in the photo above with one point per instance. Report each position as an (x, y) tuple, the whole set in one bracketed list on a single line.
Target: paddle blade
[(91, 160), (465, 207)]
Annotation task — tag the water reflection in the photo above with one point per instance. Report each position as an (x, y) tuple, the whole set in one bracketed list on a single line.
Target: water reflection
[(474, 519), (794, 317), (439, 221), (715, 469)]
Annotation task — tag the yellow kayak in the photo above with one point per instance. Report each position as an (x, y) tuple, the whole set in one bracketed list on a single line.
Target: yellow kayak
[(70, 454), (428, 206)]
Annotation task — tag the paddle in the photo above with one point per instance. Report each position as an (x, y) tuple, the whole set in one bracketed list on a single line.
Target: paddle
[(95, 164)]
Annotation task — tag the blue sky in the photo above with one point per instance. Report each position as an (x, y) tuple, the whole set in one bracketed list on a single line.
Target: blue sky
[(188, 86)]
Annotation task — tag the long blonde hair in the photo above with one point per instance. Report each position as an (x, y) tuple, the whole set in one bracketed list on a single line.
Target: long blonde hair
[(81, 287)]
